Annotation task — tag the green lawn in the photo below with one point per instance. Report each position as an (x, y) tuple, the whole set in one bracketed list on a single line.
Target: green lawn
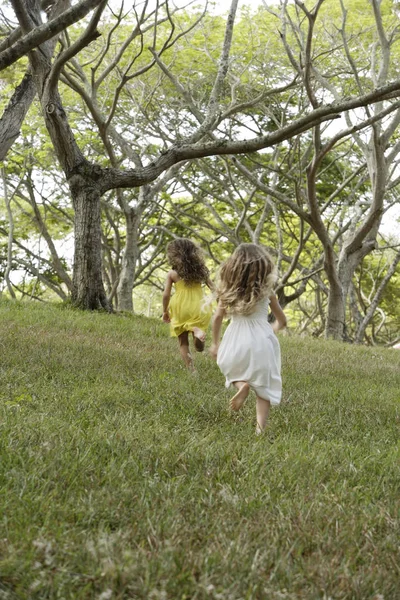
[(123, 476)]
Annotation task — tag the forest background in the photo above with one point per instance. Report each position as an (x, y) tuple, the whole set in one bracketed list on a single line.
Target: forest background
[(275, 123)]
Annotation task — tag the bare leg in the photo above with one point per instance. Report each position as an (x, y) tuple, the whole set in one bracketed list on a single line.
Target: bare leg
[(183, 340), (238, 399), (262, 408)]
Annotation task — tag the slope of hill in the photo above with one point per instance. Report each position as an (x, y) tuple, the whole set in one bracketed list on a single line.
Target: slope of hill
[(123, 476)]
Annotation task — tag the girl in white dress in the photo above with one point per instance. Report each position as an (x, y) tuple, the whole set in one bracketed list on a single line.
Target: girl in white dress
[(249, 354)]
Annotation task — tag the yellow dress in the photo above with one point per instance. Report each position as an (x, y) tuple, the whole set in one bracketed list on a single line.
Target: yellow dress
[(189, 308)]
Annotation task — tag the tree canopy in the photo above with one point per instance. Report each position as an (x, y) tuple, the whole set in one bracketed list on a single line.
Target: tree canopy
[(276, 125)]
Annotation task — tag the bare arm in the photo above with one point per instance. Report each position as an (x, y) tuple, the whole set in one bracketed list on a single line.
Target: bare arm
[(278, 313), (216, 330), (171, 278), (210, 284)]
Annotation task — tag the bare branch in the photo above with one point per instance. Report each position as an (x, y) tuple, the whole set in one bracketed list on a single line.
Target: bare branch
[(88, 36), (42, 33)]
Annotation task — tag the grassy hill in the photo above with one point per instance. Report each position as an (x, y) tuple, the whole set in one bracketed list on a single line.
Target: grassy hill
[(123, 476)]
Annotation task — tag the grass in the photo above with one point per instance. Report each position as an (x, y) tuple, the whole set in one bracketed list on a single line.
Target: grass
[(123, 476)]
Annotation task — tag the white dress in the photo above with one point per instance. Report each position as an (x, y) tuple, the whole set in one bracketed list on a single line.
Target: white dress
[(250, 352)]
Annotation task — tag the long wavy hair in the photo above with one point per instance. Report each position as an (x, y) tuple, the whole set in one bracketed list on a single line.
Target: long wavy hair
[(245, 278), (187, 259)]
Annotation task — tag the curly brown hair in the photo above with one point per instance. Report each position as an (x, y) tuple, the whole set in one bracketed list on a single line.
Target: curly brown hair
[(186, 258), (245, 278)]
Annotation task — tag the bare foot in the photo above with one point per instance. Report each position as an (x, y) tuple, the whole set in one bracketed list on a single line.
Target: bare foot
[(199, 334), (198, 344), (238, 399)]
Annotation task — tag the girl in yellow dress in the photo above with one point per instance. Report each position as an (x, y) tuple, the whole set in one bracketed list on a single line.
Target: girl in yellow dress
[(187, 310)]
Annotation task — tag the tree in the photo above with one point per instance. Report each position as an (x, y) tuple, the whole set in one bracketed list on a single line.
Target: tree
[(312, 68), (35, 224), (212, 129), (16, 46)]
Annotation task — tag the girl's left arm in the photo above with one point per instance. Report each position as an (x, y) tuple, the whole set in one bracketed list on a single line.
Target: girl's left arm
[(216, 330), (276, 309)]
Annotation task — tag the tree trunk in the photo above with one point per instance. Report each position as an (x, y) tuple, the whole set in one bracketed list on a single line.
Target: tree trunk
[(335, 321), (129, 260), (336, 312), (87, 285)]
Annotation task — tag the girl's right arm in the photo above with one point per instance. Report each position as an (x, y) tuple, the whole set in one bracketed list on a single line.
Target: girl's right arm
[(210, 284), (280, 317), (216, 330), (167, 296)]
